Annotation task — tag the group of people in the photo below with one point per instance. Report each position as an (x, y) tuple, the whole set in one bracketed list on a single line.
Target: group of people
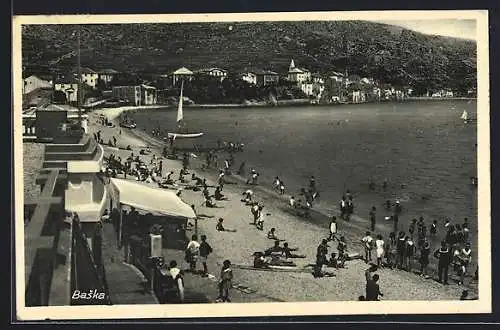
[(135, 167), (199, 251)]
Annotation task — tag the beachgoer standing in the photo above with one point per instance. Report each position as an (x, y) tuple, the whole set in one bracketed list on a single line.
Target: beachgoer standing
[(409, 253), (260, 218), (225, 282), (205, 250), (333, 228), (373, 217), (424, 258), (444, 256), (343, 207), (368, 245), (400, 248), (292, 202), (282, 187), (433, 230), (176, 274), (192, 253), (255, 212), (321, 259), (380, 249)]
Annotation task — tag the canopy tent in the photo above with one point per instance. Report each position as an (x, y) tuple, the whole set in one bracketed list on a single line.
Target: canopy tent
[(151, 199)]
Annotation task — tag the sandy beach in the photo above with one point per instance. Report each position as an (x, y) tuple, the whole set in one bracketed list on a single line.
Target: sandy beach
[(347, 284)]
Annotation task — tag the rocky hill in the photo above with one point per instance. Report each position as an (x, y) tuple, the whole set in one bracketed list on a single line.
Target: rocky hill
[(389, 54)]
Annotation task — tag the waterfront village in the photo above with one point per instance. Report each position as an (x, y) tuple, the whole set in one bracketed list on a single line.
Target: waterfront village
[(112, 218), (110, 88)]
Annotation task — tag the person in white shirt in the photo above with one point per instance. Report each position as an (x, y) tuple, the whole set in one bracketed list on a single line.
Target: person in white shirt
[(292, 201), (192, 253), (176, 274), (368, 245), (380, 248), (260, 218), (333, 228)]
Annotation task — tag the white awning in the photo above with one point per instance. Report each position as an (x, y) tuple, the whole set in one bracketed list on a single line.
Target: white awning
[(150, 199)]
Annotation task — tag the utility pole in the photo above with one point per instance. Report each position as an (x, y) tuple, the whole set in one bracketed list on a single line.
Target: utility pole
[(79, 92)]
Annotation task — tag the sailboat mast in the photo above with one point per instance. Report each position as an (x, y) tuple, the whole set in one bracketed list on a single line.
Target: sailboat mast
[(180, 114)]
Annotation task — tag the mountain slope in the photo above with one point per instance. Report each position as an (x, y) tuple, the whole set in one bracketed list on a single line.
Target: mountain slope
[(390, 55)]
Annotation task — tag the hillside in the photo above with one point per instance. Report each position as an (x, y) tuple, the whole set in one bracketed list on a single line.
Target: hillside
[(390, 55)]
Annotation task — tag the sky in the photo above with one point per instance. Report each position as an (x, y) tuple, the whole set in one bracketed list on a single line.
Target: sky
[(465, 29)]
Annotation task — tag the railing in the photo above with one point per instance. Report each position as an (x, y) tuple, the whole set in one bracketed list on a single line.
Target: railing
[(41, 237), (87, 269)]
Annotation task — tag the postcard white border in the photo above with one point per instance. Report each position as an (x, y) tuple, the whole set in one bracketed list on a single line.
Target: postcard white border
[(483, 305)]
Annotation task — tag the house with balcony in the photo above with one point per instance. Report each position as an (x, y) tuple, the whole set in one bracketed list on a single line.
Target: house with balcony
[(217, 73), (88, 76), (107, 75), (249, 77), (69, 86), (136, 95), (182, 74), (266, 77)]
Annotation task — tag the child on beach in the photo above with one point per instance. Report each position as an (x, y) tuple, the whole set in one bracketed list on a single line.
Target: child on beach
[(192, 253), (205, 250), (333, 228), (368, 245), (379, 244), (225, 282)]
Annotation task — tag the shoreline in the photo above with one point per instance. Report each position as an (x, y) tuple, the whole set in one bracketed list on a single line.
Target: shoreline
[(114, 112), (273, 201)]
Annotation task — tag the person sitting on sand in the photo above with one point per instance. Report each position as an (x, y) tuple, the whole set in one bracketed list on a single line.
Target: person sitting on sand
[(342, 248), (209, 202), (169, 179), (219, 226), (287, 252), (218, 194), (276, 248), (199, 181), (248, 196), (272, 234)]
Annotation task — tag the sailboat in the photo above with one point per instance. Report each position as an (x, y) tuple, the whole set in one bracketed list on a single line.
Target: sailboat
[(181, 132)]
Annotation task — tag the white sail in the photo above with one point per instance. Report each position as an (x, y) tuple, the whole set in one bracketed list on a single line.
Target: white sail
[(465, 115), (180, 114)]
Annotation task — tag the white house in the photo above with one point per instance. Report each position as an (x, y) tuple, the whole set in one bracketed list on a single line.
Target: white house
[(106, 75), (34, 82), (69, 86), (136, 95), (249, 77), (218, 73), (88, 76), (182, 74), (298, 75)]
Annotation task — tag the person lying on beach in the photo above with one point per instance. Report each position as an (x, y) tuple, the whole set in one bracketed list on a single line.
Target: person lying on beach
[(199, 181), (220, 226), (259, 261)]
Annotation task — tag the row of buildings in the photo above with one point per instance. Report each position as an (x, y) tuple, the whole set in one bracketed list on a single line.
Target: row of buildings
[(341, 86)]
